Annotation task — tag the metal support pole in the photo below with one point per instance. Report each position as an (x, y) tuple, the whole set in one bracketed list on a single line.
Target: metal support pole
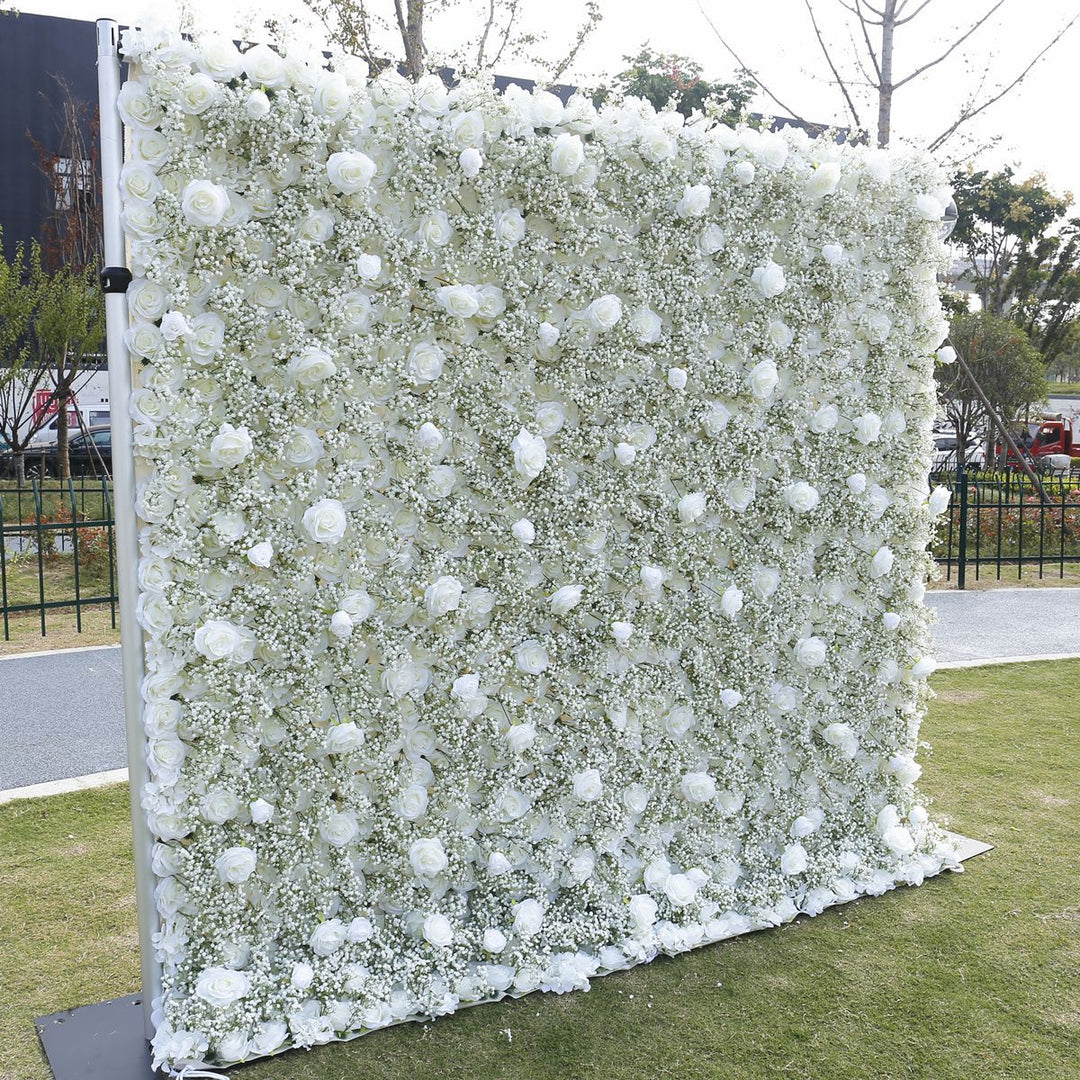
[(127, 535), (961, 562)]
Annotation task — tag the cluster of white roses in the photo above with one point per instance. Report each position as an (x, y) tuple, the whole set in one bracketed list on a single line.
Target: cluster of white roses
[(534, 509)]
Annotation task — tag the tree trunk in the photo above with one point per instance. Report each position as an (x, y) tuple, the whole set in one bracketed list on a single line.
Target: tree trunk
[(411, 28), (20, 467), (885, 84), (63, 396)]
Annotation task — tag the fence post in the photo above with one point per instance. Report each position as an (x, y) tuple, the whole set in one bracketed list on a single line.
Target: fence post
[(961, 561)]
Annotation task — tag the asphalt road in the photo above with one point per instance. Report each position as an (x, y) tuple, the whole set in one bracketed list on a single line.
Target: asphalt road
[(61, 714)]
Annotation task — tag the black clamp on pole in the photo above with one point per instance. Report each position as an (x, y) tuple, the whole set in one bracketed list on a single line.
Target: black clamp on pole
[(115, 279)]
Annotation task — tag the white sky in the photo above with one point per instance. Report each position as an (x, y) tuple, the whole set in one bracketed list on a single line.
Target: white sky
[(1037, 122)]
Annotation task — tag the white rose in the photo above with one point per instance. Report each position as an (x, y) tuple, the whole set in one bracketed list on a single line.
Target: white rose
[(565, 599), (531, 657), (412, 803), (234, 1046), (923, 668), (350, 171), (147, 299), (625, 453), (443, 596), (218, 639), (204, 203), (219, 806), (530, 454), (327, 937), (833, 254), (794, 860), (882, 562), (697, 787), (646, 325), (769, 279), (264, 67), (460, 301), (219, 57), (550, 417), (528, 916), (342, 738), (712, 239), (946, 355), (695, 201), (331, 97), (642, 912), (890, 619), (731, 603), (428, 857), (810, 652), (494, 940), (763, 378), (261, 554), (856, 483), (438, 931), (325, 522), (764, 581), (520, 737), (235, 865), (197, 94), (436, 230), (744, 172), (523, 531), (164, 757), (801, 497), (548, 334), (680, 890), (652, 577), (509, 227), (207, 336), (825, 419), (717, 418), (261, 811), (257, 105), (340, 829), (843, 738), (604, 312), (567, 154), (692, 507), (679, 720), (867, 428), (359, 930), (425, 363), (939, 500), (139, 183), (587, 785), (221, 987), (471, 162), (175, 325), (622, 631), (824, 179), (467, 130), (312, 366), (302, 975), (676, 378), (135, 107)]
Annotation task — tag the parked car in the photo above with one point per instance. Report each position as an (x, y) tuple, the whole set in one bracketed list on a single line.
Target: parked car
[(946, 445), (89, 454)]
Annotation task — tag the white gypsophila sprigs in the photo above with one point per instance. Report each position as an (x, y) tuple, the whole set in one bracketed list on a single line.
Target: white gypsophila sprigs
[(534, 525)]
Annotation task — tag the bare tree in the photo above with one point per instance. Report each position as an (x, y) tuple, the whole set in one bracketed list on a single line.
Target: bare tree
[(366, 27), (865, 64)]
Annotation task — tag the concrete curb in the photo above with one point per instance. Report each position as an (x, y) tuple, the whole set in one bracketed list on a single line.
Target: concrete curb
[(63, 787), (952, 665), (56, 652)]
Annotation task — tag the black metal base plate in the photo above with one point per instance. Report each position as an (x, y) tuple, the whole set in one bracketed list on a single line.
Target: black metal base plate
[(98, 1042)]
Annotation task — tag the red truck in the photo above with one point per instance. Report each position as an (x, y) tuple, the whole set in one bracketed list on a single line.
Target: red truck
[(1054, 434)]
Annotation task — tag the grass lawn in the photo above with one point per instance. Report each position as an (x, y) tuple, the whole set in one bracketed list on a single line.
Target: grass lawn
[(971, 977)]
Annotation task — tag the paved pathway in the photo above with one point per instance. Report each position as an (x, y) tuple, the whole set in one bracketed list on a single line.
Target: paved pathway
[(1006, 622), (61, 714)]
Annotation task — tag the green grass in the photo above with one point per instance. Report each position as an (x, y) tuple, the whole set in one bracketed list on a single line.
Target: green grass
[(971, 977)]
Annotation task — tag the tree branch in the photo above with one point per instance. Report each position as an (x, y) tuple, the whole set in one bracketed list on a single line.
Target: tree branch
[(484, 36), (955, 45), (900, 7), (832, 67), (787, 108), (969, 114)]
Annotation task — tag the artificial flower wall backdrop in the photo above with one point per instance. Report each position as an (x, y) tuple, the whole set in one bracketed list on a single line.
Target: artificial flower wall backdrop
[(534, 518)]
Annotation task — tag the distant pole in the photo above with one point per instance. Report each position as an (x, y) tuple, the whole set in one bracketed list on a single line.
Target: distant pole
[(127, 536)]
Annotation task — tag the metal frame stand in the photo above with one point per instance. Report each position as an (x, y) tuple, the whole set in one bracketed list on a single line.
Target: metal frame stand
[(110, 1041)]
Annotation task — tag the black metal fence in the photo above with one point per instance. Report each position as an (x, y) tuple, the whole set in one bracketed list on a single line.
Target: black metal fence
[(1000, 525), (57, 550), (57, 543)]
